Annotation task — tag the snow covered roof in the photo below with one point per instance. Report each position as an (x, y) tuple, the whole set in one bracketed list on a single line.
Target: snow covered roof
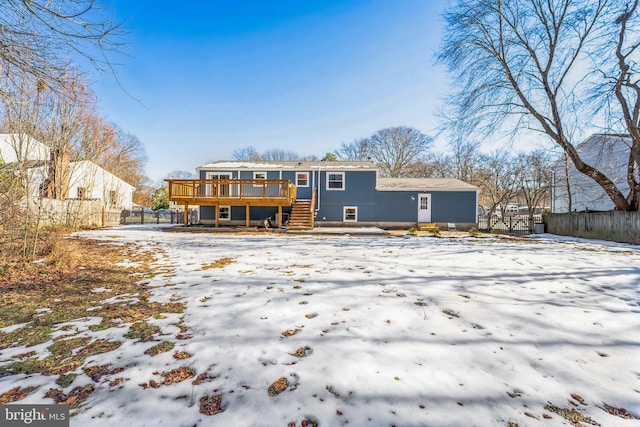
[(424, 184), (292, 165)]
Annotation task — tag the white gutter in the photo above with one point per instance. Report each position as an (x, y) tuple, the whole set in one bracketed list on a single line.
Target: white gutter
[(318, 189)]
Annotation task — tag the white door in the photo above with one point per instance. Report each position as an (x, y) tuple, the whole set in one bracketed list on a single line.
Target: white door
[(222, 190), (424, 207)]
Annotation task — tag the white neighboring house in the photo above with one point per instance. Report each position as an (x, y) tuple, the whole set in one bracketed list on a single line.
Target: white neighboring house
[(608, 153), (90, 181), (86, 179), (15, 147)]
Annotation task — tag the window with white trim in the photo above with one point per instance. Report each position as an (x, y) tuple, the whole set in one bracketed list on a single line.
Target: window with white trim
[(224, 213), (302, 179), (259, 175), (335, 180), (350, 214)]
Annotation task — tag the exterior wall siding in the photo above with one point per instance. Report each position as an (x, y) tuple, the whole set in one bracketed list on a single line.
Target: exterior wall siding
[(359, 191), (238, 213), (446, 206), (453, 206), (397, 206), (373, 207)]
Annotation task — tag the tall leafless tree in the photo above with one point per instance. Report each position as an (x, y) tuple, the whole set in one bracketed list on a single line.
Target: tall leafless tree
[(280, 155), (624, 77), (535, 180), (39, 36), (395, 149), (358, 150), (497, 176), (520, 63), (247, 153)]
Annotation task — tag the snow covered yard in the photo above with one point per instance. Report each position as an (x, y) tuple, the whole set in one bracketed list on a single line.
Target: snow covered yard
[(367, 331)]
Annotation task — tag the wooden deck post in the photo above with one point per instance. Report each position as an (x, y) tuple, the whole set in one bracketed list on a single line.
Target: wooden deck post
[(186, 214), (279, 216), (217, 214), (247, 215)]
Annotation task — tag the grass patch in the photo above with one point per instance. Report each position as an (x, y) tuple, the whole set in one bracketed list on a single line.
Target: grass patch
[(572, 415), (63, 289), (65, 380), (219, 263), (163, 347), (142, 331)]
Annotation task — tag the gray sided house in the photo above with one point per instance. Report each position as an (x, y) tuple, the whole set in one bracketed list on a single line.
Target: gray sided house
[(607, 152), (330, 193)]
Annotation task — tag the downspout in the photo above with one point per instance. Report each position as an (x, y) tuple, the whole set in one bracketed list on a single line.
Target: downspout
[(319, 185), (477, 205)]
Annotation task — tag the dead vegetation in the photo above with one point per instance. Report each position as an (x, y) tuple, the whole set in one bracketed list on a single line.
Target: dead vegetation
[(77, 279)]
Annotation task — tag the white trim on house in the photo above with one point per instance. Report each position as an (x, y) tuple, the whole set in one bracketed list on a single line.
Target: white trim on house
[(216, 174), (300, 174), (342, 181), (259, 175), (348, 216), (227, 216), (424, 207)]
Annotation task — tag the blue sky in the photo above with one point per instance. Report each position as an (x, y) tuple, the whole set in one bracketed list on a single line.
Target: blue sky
[(207, 78)]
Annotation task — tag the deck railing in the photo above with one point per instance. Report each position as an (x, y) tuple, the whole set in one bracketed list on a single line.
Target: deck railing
[(267, 192)]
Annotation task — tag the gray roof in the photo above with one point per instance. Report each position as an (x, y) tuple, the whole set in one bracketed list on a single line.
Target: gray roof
[(424, 184), (293, 165)]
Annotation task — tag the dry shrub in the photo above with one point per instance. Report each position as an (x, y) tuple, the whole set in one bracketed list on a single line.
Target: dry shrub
[(65, 254)]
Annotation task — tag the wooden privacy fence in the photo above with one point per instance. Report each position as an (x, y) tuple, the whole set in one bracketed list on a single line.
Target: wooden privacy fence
[(75, 213), (617, 226)]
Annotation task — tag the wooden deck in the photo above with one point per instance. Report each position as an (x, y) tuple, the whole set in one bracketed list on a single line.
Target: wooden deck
[(233, 192)]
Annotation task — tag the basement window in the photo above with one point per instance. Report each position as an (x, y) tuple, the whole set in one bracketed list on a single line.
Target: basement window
[(224, 213), (350, 214)]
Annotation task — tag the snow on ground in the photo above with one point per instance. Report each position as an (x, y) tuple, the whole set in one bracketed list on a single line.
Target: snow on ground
[(404, 331)]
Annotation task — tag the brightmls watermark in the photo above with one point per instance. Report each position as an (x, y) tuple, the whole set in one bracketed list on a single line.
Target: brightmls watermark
[(34, 415)]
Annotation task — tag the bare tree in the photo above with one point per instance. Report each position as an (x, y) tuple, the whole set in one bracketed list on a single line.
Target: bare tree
[(178, 174), (625, 80), (280, 155), (497, 177), (519, 63), (465, 157), (23, 114), (248, 153), (534, 178), (395, 149), (38, 35), (359, 150)]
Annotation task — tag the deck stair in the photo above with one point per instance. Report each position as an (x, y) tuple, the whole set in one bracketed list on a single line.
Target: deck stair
[(301, 215)]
